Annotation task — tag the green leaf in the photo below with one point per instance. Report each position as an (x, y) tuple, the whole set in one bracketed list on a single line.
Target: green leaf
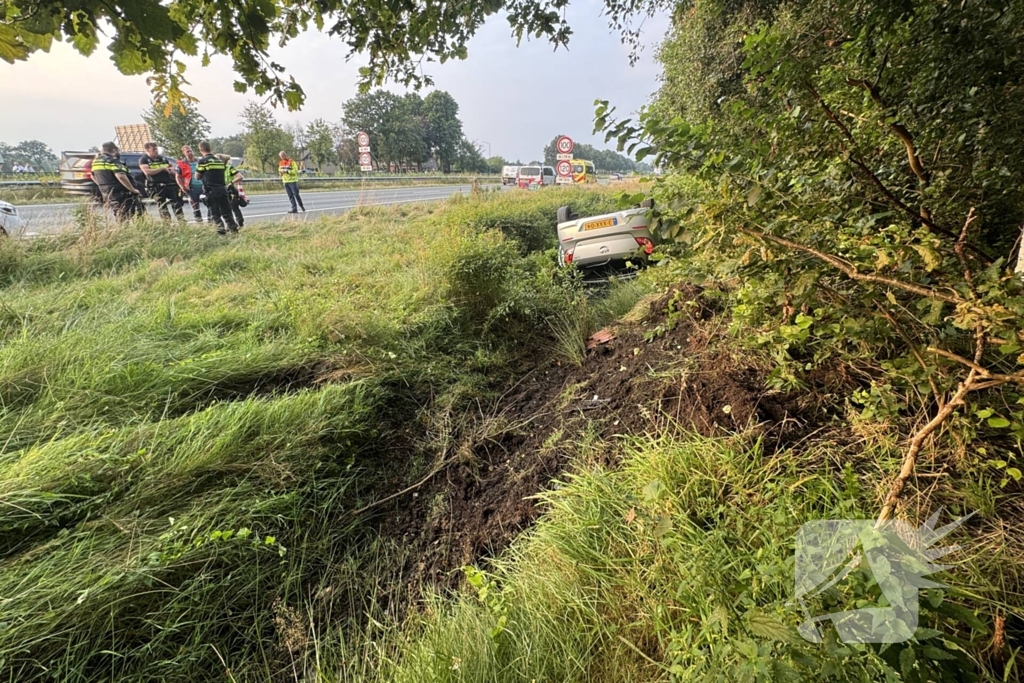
[(998, 422), (753, 195), (653, 491), (768, 626), (908, 659), (937, 654)]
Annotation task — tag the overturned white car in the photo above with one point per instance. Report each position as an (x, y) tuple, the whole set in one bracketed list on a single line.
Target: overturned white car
[(612, 245)]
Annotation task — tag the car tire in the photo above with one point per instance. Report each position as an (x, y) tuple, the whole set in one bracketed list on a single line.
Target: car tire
[(564, 214), (647, 203)]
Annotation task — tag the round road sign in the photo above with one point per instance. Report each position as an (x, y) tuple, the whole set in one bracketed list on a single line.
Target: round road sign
[(564, 144), (363, 139), (564, 169), (364, 159)]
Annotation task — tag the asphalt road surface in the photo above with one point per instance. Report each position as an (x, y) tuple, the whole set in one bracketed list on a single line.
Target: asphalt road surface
[(43, 219)]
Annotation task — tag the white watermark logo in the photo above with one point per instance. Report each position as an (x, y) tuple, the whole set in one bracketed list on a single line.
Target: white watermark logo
[(898, 555)]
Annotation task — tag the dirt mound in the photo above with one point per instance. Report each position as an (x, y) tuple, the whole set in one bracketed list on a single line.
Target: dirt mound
[(666, 372)]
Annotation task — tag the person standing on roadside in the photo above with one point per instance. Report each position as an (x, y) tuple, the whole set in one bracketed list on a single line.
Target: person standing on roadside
[(163, 180), (236, 196), (115, 183), (289, 172), (213, 174), (192, 182)]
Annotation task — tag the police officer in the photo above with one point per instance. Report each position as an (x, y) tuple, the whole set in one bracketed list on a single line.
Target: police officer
[(236, 198), (163, 180), (116, 187), (289, 172), (213, 172)]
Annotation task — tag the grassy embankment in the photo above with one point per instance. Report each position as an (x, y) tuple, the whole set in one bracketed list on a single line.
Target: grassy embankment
[(190, 423), (193, 423)]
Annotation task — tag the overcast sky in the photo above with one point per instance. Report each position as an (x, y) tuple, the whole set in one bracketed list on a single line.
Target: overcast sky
[(516, 99)]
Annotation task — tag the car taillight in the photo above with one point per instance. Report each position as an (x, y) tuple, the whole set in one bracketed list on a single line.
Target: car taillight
[(568, 257), (646, 243)]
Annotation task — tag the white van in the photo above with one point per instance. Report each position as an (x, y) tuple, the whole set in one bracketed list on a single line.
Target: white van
[(532, 177), (509, 174)]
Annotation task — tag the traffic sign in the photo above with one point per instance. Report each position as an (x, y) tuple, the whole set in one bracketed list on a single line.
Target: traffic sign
[(564, 169), (563, 157), (363, 140), (564, 145), (365, 162), (364, 149), (562, 180)]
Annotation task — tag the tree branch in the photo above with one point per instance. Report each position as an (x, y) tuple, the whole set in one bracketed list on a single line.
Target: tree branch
[(858, 161), (851, 271), (917, 443), (899, 129)]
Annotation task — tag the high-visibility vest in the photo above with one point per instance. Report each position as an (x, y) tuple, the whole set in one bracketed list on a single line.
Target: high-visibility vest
[(289, 171), (213, 172), (104, 173)]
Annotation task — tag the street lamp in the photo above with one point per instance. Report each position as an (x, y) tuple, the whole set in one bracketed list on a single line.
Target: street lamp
[(484, 142)]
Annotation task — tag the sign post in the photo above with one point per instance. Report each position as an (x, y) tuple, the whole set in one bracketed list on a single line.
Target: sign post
[(563, 148), (365, 160), (564, 170)]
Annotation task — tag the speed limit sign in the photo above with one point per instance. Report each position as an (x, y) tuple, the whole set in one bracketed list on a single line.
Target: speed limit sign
[(564, 145), (363, 140), (564, 169)]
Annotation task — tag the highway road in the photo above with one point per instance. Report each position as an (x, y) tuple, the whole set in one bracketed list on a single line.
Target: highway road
[(43, 219)]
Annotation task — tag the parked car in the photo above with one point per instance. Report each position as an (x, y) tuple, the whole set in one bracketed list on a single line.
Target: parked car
[(76, 172), (533, 177), (509, 175), (10, 221), (611, 245)]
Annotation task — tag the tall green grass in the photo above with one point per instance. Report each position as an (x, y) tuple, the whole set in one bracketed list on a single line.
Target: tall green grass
[(188, 422), (678, 565)]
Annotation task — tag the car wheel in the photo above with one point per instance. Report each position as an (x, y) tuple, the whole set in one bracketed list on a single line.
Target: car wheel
[(564, 214), (647, 203)]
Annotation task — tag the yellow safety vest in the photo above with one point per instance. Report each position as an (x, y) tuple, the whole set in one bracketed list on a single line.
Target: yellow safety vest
[(289, 171)]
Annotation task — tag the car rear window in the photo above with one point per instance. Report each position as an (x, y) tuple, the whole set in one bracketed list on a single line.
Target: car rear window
[(529, 170)]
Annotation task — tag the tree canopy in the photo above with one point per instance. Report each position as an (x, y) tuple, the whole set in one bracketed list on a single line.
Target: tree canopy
[(151, 36), (181, 126), (406, 130), (33, 152)]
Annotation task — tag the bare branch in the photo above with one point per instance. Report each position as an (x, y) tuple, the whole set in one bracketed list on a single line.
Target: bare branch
[(917, 443), (899, 129), (851, 271)]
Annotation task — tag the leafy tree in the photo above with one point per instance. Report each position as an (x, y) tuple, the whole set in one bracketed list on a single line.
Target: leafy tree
[(33, 152), (494, 164), (855, 169), (233, 145), (320, 142), (174, 127), (446, 140), (397, 130), (145, 36), (469, 158), (264, 138)]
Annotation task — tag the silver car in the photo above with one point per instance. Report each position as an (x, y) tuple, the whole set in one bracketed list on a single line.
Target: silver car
[(610, 245), (10, 222)]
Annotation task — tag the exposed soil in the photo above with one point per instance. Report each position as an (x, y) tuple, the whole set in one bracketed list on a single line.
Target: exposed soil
[(680, 379)]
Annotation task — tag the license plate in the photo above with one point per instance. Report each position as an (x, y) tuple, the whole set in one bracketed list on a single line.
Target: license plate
[(603, 223)]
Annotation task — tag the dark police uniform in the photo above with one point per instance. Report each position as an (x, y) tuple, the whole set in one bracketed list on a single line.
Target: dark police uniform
[(117, 198), (212, 171), (163, 187), (233, 196)]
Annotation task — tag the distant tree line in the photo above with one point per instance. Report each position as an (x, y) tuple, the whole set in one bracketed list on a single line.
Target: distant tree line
[(28, 152), (407, 133)]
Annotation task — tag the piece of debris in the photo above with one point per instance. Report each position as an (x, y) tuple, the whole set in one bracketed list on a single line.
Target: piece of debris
[(600, 337)]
